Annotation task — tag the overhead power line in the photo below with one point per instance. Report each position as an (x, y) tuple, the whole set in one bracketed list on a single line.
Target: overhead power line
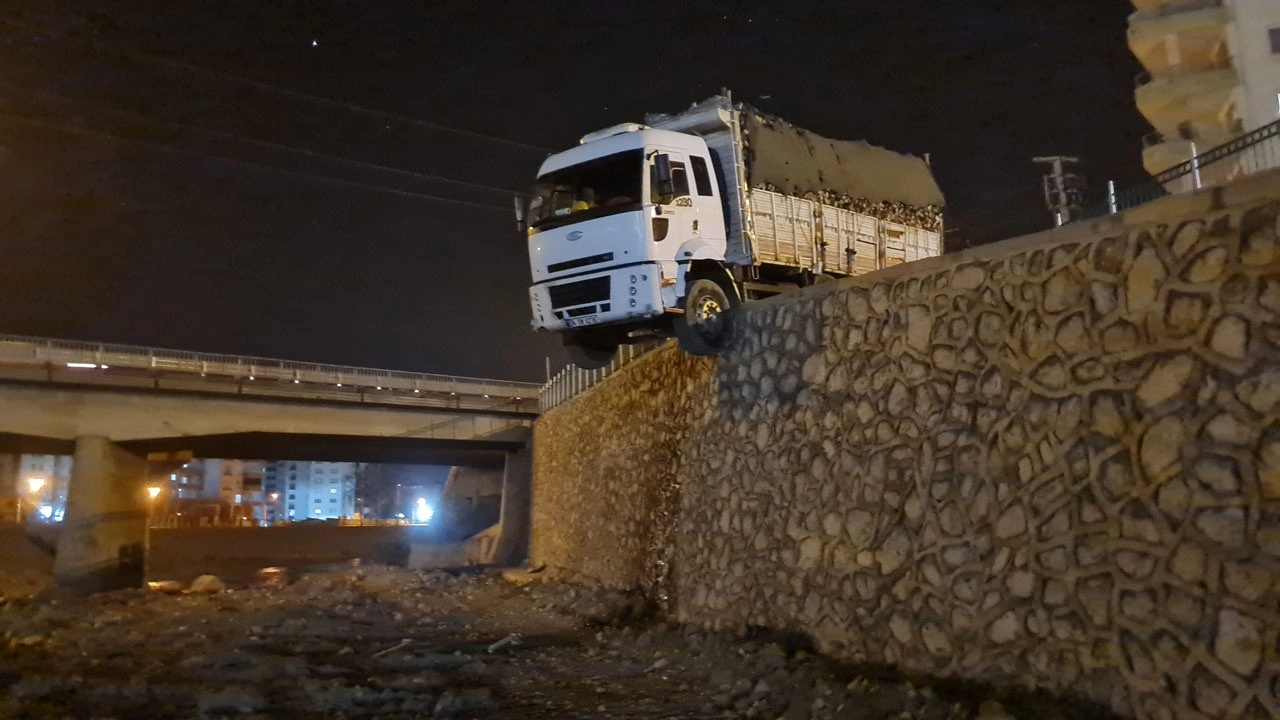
[(40, 122), (290, 149), (278, 89)]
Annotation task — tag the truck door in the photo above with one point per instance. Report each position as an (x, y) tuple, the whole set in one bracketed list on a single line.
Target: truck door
[(675, 219)]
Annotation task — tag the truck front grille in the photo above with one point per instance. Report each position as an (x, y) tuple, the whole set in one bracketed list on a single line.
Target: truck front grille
[(579, 293), (580, 262)]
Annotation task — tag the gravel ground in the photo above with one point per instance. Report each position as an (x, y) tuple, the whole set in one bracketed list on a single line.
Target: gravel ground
[(374, 642)]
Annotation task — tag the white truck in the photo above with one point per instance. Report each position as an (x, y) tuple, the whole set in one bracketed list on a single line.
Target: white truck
[(647, 230)]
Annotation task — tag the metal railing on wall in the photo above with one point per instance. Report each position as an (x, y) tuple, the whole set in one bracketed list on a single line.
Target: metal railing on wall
[(573, 380), (1249, 154)]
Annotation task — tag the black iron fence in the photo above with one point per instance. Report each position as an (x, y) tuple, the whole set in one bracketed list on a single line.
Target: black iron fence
[(1251, 153)]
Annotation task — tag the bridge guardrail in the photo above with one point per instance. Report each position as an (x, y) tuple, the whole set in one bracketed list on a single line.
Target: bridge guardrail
[(18, 349)]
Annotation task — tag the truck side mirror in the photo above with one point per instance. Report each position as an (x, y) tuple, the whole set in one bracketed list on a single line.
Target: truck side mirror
[(666, 186)]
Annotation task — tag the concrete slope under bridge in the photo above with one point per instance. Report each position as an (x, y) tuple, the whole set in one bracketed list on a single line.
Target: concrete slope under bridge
[(1052, 462)]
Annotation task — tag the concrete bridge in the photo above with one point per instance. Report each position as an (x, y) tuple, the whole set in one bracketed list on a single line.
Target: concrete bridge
[(117, 408)]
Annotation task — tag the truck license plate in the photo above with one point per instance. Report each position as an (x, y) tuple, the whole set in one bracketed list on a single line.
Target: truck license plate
[(579, 322)]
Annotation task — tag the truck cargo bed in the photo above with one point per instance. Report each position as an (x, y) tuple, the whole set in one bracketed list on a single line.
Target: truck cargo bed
[(790, 231)]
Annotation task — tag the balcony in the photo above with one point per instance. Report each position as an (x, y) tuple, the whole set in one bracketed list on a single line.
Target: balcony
[(1160, 152), (1198, 27), (1186, 94)]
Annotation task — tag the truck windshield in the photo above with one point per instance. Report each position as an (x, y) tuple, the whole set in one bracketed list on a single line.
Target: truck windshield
[(595, 188)]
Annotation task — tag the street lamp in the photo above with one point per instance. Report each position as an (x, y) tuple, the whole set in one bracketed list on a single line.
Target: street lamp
[(153, 492), (35, 484)]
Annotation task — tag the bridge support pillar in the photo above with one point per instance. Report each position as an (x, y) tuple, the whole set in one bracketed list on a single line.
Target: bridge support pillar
[(517, 503), (104, 537)]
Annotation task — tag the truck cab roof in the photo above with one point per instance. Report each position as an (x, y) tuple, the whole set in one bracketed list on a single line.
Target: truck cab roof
[(624, 139)]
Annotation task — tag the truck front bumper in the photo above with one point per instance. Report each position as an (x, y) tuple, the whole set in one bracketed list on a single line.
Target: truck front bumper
[(620, 295)]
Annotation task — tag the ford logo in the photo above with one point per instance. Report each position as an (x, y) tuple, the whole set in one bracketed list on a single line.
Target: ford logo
[(574, 236)]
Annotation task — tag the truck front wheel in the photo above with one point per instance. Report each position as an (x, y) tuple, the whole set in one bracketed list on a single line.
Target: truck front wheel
[(703, 327), (590, 351)]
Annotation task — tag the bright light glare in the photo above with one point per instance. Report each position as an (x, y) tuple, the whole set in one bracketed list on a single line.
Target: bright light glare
[(422, 512), (46, 511), (35, 484), (88, 366), (153, 492)]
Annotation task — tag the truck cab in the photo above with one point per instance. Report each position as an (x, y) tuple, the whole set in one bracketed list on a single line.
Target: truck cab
[(619, 228)]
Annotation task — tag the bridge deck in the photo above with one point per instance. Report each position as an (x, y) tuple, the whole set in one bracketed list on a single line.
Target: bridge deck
[(44, 360)]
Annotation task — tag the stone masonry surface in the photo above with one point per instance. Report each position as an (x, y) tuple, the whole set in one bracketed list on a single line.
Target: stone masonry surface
[(1052, 465), (613, 503)]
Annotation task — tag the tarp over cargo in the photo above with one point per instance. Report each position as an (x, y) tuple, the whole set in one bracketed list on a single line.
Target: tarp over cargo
[(783, 157), (797, 161)]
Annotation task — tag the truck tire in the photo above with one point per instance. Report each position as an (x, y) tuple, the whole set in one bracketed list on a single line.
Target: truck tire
[(590, 351), (703, 328)]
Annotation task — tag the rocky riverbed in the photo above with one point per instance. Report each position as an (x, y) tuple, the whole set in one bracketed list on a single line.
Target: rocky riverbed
[(375, 642)]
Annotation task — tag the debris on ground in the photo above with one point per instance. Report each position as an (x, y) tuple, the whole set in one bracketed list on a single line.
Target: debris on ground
[(380, 643), (207, 585)]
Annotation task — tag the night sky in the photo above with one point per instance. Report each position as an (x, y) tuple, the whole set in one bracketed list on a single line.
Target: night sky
[(122, 221)]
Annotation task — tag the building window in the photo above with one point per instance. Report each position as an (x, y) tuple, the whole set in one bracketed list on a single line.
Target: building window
[(291, 513), (333, 490), (317, 501), (1275, 39), (317, 509)]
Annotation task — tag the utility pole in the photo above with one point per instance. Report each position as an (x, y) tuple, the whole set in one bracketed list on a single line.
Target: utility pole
[(1061, 188)]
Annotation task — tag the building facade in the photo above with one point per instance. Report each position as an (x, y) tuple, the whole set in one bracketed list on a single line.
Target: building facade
[(298, 490), (42, 482), (1212, 74)]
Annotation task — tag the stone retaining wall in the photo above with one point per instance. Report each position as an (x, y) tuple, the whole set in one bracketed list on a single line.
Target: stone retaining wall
[(1053, 462)]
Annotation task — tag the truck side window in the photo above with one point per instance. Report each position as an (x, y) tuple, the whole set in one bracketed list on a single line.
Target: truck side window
[(700, 176), (679, 179)]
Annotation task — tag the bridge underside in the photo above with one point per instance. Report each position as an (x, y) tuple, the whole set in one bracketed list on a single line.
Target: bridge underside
[(479, 453)]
